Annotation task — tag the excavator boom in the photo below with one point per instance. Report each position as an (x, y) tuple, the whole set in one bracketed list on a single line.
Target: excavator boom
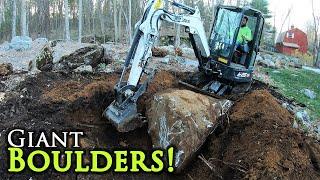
[(123, 111)]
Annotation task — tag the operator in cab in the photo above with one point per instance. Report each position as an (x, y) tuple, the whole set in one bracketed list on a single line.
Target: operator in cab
[(244, 36)]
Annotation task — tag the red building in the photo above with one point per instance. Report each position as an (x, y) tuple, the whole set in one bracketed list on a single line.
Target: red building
[(291, 41)]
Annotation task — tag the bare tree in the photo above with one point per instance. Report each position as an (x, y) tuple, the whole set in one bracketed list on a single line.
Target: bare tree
[(80, 21), (120, 19), (285, 19), (316, 51), (115, 21), (2, 9), (130, 21), (14, 18), (66, 20), (101, 18), (23, 18)]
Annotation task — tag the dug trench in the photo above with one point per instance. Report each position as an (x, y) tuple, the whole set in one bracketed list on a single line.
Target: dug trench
[(255, 140)]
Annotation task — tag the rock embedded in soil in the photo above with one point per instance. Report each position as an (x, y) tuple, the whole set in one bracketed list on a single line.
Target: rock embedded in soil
[(77, 54), (84, 69), (2, 96), (44, 60), (6, 69), (183, 119)]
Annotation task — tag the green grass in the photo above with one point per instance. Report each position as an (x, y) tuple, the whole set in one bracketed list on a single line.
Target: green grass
[(291, 82)]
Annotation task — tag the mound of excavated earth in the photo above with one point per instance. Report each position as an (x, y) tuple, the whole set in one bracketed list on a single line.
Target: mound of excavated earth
[(259, 142), (183, 119)]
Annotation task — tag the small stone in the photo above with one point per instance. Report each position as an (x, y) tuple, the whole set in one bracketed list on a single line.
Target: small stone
[(84, 69), (309, 93), (166, 59), (304, 117), (2, 96), (103, 68), (6, 69)]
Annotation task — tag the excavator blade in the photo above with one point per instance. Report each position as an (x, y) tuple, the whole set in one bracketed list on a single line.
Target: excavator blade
[(123, 118)]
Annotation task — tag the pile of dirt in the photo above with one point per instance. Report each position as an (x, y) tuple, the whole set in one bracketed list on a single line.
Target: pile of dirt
[(259, 142), (70, 90)]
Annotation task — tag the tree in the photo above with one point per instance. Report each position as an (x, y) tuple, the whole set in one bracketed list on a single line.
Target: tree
[(316, 22), (101, 18), (14, 18), (130, 21), (80, 20), (115, 21), (66, 20), (23, 18), (261, 5)]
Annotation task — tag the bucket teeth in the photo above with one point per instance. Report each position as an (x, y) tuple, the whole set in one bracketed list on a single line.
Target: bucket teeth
[(124, 119)]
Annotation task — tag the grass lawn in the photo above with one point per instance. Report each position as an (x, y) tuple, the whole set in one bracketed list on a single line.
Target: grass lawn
[(291, 82)]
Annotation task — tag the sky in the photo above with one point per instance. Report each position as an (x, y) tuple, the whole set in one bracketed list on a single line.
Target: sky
[(301, 12)]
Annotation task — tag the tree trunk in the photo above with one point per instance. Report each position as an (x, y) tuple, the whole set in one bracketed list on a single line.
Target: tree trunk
[(115, 21), (130, 22), (318, 57), (120, 20), (101, 18), (14, 18), (238, 2), (66, 20), (23, 18), (80, 21), (1, 12)]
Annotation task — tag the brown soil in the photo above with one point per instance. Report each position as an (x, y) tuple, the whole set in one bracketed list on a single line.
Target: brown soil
[(259, 143), (158, 52), (256, 140)]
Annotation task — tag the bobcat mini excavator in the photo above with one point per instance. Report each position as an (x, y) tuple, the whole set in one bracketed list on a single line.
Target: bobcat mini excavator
[(219, 59)]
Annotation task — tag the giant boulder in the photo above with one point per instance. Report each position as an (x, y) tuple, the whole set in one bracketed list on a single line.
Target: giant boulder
[(43, 61), (75, 55), (183, 119)]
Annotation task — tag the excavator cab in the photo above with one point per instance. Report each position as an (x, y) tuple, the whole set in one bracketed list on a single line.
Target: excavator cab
[(227, 58)]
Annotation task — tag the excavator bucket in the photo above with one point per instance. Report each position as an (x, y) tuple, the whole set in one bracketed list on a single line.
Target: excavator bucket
[(124, 119)]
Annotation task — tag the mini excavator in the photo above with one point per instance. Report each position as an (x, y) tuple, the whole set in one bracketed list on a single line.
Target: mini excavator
[(222, 64)]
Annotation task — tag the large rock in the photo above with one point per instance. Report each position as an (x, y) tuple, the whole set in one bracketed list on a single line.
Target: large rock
[(21, 60), (114, 52), (267, 63), (21, 43), (295, 65), (44, 60), (183, 119), (6, 69), (75, 55)]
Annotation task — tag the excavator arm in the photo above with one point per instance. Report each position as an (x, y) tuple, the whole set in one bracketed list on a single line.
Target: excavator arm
[(123, 111)]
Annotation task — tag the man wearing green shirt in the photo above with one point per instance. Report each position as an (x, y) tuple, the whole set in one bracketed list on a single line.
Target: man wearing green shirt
[(245, 34), (243, 38)]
